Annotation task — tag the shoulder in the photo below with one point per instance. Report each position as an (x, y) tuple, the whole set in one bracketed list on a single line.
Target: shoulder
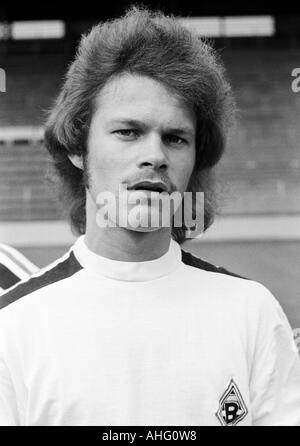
[(233, 290), (196, 262), (63, 268)]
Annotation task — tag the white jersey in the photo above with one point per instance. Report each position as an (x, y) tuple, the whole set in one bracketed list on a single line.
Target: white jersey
[(13, 267), (172, 341)]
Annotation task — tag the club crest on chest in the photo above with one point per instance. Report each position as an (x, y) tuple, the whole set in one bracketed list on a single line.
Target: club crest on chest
[(232, 408)]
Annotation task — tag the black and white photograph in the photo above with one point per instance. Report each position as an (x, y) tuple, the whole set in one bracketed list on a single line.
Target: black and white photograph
[(149, 216)]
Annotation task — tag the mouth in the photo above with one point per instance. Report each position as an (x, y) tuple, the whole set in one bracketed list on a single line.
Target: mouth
[(151, 186)]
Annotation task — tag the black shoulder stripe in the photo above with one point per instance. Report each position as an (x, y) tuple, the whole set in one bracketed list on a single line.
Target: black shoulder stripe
[(61, 271), (191, 260), (7, 277)]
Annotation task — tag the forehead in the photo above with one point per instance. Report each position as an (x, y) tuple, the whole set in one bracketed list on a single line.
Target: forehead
[(135, 96)]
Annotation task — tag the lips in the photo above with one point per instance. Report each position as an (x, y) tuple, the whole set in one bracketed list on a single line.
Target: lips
[(154, 186)]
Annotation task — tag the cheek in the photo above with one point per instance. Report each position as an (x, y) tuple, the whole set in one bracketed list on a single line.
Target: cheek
[(187, 166), (186, 179), (98, 170), (99, 157), (105, 168)]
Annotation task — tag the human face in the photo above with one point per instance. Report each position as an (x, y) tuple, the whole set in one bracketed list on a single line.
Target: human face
[(139, 131)]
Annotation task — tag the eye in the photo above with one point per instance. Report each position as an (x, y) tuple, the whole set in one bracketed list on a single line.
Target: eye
[(127, 133), (174, 139)]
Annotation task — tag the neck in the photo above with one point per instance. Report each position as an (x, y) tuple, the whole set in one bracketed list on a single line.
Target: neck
[(123, 244)]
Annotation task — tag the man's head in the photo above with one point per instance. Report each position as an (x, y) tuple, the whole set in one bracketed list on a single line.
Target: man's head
[(139, 132), (140, 58)]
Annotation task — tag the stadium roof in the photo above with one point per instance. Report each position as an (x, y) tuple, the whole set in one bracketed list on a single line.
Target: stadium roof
[(34, 9)]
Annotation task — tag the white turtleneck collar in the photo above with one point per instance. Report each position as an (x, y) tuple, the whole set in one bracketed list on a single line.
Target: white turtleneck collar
[(128, 271)]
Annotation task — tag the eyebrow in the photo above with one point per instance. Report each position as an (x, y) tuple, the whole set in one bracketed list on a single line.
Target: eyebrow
[(182, 130)]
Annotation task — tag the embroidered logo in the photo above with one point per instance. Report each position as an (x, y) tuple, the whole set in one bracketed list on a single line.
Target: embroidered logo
[(232, 408)]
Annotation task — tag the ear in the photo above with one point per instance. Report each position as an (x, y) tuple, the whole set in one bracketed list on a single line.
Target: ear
[(76, 160)]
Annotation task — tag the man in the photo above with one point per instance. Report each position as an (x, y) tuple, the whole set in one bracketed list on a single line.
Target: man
[(126, 328), (13, 267)]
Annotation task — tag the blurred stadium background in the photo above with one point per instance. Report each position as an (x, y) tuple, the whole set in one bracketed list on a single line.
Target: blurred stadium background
[(257, 233)]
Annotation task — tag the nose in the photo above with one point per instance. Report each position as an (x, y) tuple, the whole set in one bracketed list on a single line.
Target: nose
[(153, 153)]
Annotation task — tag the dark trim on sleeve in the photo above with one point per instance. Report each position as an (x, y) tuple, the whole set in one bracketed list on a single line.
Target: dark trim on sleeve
[(61, 271), (191, 260), (7, 277)]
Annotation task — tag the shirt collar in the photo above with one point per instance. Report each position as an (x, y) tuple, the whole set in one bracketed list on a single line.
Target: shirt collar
[(128, 271)]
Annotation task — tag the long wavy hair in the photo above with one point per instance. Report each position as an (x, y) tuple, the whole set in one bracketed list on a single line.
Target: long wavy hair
[(147, 43)]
